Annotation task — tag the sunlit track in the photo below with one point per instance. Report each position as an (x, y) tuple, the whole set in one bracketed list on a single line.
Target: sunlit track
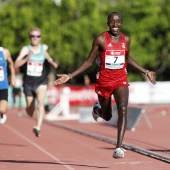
[(38, 147), (112, 141)]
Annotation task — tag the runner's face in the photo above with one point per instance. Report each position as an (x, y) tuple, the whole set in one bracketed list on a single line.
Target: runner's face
[(35, 37), (114, 24)]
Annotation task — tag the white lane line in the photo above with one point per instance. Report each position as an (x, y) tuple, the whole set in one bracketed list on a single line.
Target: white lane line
[(141, 162), (38, 147)]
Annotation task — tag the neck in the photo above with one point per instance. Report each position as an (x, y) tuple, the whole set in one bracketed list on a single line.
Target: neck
[(116, 38), (35, 48)]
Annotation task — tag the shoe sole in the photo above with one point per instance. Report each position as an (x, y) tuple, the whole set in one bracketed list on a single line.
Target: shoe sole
[(117, 157)]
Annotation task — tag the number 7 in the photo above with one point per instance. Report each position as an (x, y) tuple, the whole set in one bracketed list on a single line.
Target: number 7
[(115, 59)]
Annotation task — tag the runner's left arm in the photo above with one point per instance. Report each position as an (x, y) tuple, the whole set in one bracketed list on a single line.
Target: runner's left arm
[(134, 64), (49, 58)]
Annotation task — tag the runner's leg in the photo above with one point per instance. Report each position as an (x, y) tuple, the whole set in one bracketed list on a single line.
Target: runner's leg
[(106, 109), (30, 109), (40, 93), (121, 96), (3, 106)]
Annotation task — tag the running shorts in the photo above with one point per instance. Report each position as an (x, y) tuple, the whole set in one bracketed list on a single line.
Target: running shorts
[(30, 90), (4, 94), (16, 91), (106, 89)]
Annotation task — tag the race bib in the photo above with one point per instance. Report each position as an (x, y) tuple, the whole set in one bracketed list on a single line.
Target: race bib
[(114, 59), (2, 76), (34, 68)]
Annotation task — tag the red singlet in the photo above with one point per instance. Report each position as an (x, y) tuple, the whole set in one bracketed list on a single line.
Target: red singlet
[(113, 66)]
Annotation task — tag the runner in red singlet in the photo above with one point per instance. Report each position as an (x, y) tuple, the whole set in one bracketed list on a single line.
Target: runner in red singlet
[(112, 72), (113, 48)]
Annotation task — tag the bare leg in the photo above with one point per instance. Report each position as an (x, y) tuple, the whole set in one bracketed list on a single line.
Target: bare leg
[(41, 93), (3, 110), (30, 109), (121, 96), (20, 102), (3, 106), (106, 109)]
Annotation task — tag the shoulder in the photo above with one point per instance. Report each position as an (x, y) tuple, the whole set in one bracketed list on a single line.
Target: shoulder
[(127, 38), (6, 51), (24, 51), (100, 38), (45, 47), (25, 48)]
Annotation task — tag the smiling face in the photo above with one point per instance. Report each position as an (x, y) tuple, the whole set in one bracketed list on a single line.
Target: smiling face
[(114, 23), (35, 37)]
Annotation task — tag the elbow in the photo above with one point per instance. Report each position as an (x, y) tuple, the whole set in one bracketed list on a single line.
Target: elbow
[(89, 63)]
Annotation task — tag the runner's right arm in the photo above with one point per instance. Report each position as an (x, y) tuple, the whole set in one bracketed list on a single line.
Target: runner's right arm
[(21, 59)]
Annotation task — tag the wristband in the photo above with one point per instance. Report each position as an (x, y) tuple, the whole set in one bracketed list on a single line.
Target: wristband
[(70, 75), (146, 73)]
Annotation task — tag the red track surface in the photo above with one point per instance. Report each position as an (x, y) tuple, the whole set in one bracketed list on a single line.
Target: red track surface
[(61, 149)]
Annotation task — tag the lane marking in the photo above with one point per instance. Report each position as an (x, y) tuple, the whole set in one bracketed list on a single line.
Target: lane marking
[(132, 163), (38, 147), (136, 149)]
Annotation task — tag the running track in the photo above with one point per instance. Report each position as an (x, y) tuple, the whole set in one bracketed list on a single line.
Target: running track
[(67, 145)]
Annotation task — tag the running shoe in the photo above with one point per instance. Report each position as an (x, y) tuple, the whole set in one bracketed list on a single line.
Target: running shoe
[(36, 131), (118, 153), (95, 115), (3, 118)]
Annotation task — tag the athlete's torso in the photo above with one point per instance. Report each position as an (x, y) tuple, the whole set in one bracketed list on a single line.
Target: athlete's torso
[(112, 60), (3, 71), (35, 72)]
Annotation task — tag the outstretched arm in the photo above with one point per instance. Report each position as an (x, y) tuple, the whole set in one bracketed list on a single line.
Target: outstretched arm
[(134, 64), (65, 77), (85, 65)]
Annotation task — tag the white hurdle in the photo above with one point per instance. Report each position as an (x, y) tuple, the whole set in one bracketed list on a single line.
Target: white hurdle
[(62, 110)]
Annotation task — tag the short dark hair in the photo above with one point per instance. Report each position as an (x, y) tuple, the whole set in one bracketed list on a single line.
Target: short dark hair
[(114, 13)]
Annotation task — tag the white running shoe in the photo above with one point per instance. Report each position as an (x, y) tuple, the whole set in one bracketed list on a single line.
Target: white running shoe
[(3, 118), (119, 153), (95, 115)]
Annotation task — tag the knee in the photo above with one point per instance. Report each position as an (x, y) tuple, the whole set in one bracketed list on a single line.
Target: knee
[(122, 111), (3, 110), (40, 103)]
